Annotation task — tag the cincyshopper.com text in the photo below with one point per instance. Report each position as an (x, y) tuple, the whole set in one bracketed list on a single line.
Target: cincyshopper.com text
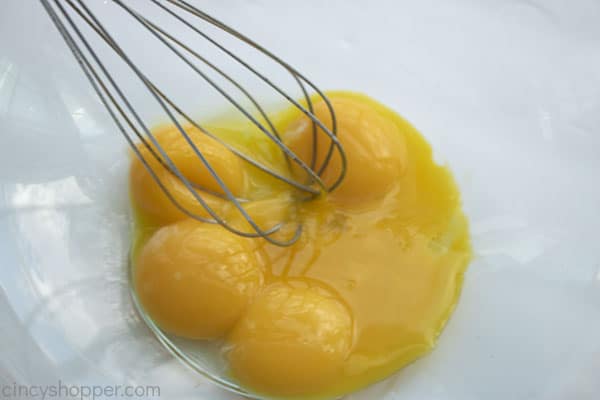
[(62, 390)]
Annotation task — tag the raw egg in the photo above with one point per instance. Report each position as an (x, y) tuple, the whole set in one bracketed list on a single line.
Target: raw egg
[(291, 337), (366, 289), (152, 201), (374, 146), (196, 279)]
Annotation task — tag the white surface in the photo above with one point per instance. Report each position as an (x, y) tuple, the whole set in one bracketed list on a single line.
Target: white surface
[(507, 92)]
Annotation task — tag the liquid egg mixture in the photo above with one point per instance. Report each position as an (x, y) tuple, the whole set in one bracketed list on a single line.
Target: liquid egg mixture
[(366, 289)]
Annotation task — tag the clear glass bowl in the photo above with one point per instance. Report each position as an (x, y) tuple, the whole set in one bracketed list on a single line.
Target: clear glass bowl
[(508, 94)]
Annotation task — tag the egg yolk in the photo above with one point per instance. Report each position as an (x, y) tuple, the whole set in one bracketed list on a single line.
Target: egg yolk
[(150, 197), (196, 279), (366, 289), (291, 338), (374, 147)]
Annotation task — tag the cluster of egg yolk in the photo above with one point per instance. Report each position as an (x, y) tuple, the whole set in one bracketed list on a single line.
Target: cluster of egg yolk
[(366, 289)]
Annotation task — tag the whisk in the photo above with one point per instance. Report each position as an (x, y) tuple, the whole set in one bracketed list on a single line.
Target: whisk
[(70, 15)]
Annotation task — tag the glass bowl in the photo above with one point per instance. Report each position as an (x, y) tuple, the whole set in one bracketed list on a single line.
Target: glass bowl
[(507, 93)]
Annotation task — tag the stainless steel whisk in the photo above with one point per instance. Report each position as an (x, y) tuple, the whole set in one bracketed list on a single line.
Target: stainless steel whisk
[(132, 126)]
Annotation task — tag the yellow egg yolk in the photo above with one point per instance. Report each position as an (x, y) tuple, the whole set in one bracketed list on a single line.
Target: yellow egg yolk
[(151, 200), (291, 338), (374, 147), (196, 279), (366, 289)]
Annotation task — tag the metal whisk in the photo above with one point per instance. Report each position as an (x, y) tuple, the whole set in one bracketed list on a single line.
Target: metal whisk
[(67, 15)]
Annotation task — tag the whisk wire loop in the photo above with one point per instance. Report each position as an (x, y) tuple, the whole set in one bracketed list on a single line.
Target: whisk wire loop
[(132, 127)]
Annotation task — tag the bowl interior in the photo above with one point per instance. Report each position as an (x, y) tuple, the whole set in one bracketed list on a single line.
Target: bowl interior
[(508, 94)]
